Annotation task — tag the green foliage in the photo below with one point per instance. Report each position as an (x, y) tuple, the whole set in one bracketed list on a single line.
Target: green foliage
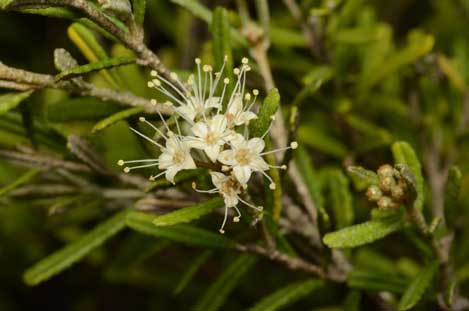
[(139, 7), (26, 177), (376, 281), (188, 214), (73, 252), (405, 154), (452, 191), (121, 115), (102, 64), (287, 295), (266, 113), (417, 288), (363, 233), (12, 100), (219, 291), (191, 271), (221, 39)]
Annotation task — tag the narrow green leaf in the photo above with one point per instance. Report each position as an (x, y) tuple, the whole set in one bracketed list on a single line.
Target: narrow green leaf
[(183, 233), (352, 301), (80, 108), (70, 254), (341, 198), (287, 295), (267, 111), (219, 291), (318, 139), (363, 233), (362, 176), (12, 100), (139, 7), (221, 39), (102, 64), (403, 153), (191, 270), (124, 114), (58, 12), (417, 288), (452, 190), (188, 214), (20, 181), (376, 281)]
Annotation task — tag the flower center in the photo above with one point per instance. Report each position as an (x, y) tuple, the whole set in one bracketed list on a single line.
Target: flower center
[(243, 156), (211, 138), (178, 157), (229, 186), (230, 117)]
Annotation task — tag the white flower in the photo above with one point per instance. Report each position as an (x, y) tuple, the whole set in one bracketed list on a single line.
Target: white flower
[(210, 135), (236, 115), (228, 187), (244, 157), (195, 107), (175, 157)]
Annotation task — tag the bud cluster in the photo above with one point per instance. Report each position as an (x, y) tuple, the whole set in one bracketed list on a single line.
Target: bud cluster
[(211, 130), (391, 190)]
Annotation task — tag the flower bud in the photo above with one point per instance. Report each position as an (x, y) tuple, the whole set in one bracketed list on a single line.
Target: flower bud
[(385, 203), (385, 170), (387, 183), (397, 192), (374, 193)]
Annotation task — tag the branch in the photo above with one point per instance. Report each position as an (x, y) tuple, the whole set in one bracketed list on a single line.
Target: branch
[(19, 79)]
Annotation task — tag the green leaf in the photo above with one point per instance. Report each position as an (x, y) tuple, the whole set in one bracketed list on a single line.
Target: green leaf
[(363, 233), (188, 214), (124, 114), (341, 198), (376, 281), (404, 154), (183, 233), (417, 288), (322, 141), (418, 45), (363, 176), (70, 254), (308, 174), (20, 181), (12, 100), (102, 64), (283, 37), (452, 190), (139, 7), (58, 12), (221, 39), (80, 108), (352, 301), (287, 295), (191, 270), (267, 111), (196, 9), (219, 291)]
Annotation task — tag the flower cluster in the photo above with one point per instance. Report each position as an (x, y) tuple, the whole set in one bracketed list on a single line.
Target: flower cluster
[(212, 115), (391, 190)]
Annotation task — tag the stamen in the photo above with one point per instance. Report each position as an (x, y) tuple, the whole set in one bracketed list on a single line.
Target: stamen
[(147, 138), (153, 178), (237, 218), (224, 221), (194, 186), (257, 208), (293, 145), (142, 119), (129, 168)]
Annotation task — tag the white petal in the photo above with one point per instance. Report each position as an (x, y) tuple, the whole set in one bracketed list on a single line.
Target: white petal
[(187, 111), (212, 152), (170, 173), (165, 160), (194, 142), (245, 117), (242, 173), (227, 157), (218, 179), (218, 124), (188, 163), (236, 105), (200, 129), (258, 164), (238, 140), (212, 102), (256, 145)]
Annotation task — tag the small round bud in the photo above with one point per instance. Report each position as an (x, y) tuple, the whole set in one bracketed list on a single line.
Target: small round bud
[(141, 119), (120, 162), (198, 61), (222, 231), (374, 193), (272, 186), (245, 60), (385, 170), (153, 102), (236, 219), (385, 203), (153, 73), (236, 71), (226, 80), (126, 169), (397, 192), (255, 92), (386, 183), (294, 145)]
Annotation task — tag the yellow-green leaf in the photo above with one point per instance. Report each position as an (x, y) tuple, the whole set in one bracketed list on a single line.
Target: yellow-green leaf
[(416, 289), (12, 100), (188, 214)]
